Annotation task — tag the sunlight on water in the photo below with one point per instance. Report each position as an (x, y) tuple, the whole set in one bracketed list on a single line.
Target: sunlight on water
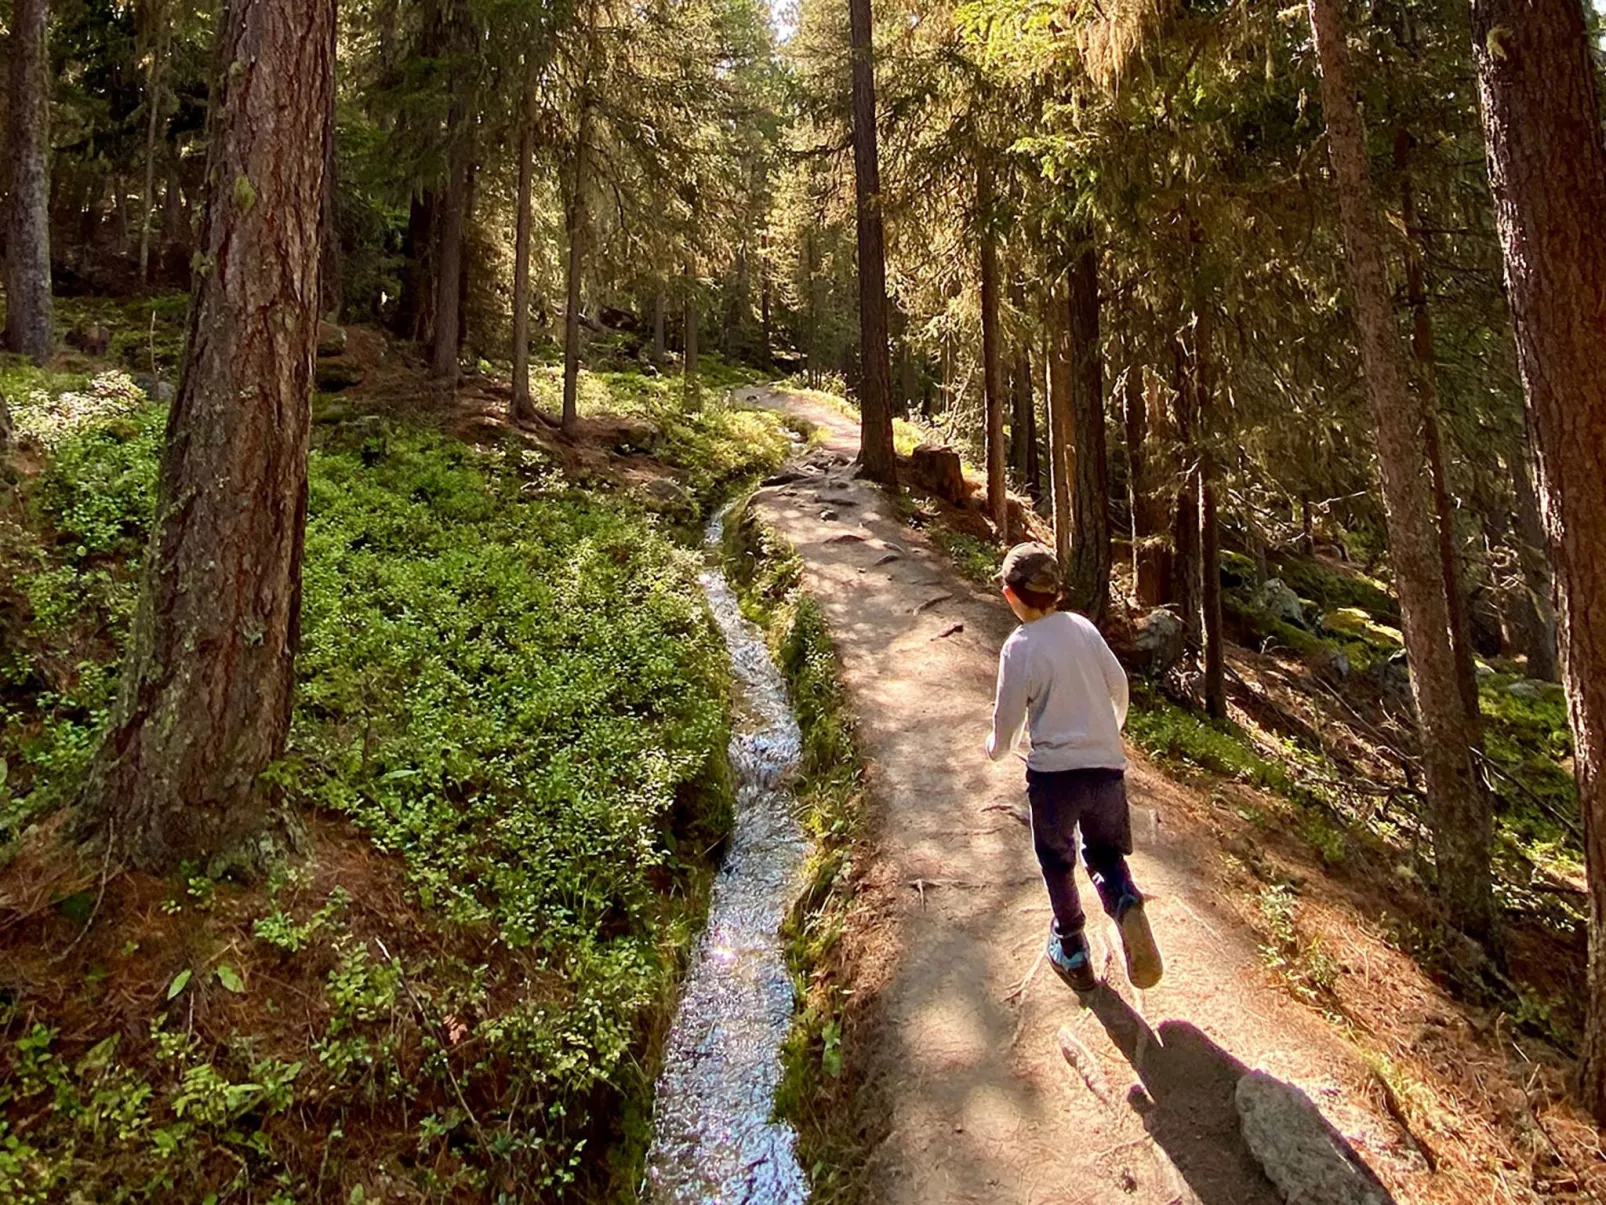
[(713, 1137)]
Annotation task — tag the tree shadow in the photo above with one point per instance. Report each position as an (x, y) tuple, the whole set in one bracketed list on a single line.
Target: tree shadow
[(1187, 1101)]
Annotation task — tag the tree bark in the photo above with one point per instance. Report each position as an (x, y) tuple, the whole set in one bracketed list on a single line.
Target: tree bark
[(1426, 358), (577, 226), (206, 690), (1541, 120), (1088, 583), (1538, 583), (1061, 454), (876, 454), (658, 345), (522, 409), (688, 372), (1185, 588), (1208, 435), (1150, 547), (29, 308), (1459, 810), (153, 106), (449, 266), (992, 373), (415, 308)]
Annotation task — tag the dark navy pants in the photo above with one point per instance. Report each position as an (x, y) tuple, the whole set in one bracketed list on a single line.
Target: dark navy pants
[(1094, 801)]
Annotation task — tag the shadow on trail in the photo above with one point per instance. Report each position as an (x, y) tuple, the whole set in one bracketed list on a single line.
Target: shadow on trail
[(1186, 1099)]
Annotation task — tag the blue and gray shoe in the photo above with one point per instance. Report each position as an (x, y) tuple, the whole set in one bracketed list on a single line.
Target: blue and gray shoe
[(1072, 961)]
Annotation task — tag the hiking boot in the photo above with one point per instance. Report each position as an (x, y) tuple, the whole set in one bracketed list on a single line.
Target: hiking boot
[(1143, 965), (1072, 962)]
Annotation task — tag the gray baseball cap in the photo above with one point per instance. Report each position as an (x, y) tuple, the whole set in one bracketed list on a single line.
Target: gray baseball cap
[(1033, 567)]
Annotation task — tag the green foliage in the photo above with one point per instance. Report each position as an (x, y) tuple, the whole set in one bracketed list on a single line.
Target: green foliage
[(977, 559), (1302, 963), (508, 683), (1184, 737)]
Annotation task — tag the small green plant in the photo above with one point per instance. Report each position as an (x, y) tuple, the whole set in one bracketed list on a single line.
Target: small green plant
[(977, 559), (1303, 964)]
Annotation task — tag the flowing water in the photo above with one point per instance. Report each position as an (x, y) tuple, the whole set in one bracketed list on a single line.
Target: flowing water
[(713, 1138)]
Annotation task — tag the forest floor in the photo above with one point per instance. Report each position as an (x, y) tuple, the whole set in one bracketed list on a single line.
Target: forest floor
[(971, 1074)]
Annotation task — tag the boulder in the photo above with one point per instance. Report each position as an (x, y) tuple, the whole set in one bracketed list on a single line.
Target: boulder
[(1523, 689), (1278, 600), (1352, 623), (1158, 641), (333, 375), (935, 469), (1302, 1154), (667, 494), (331, 340)]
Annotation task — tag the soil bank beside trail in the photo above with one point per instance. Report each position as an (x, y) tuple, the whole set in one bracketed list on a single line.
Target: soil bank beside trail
[(1000, 1093)]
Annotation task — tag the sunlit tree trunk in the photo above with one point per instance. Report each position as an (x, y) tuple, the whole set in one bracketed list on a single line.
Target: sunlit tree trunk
[(29, 309), (1150, 552), (1208, 435), (206, 690), (1186, 583), (522, 409), (1088, 582), (876, 453), (1541, 120), (1459, 809)]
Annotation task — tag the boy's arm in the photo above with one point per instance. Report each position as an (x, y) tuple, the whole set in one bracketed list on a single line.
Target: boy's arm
[(1009, 705), (1115, 680)]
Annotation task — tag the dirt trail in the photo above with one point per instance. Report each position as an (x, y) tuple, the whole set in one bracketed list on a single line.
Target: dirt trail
[(986, 1107)]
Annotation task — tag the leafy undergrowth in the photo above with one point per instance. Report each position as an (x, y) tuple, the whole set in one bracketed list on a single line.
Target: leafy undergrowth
[(504, 791), (823, 1092)]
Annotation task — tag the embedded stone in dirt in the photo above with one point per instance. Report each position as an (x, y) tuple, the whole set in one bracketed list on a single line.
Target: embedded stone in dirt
[(1302, 1154), (829, 515)]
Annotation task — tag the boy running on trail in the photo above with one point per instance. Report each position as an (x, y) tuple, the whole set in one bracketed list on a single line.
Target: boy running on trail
[(1056, 673)]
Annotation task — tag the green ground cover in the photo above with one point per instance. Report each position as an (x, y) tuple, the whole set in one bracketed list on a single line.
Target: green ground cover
[(512, 699)]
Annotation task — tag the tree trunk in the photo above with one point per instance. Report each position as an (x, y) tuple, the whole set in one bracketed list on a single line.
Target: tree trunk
[(1541, 119), (876, 454), (1150, 547), (1089, 579), (1186, 585), (29, 309), (522, 408), (1425, 356), (992, 373), (766, 352), (415, 308), (1538, 608), (577, 226), (449, 275), (1208, 435), (1061, 453), (206, 690), (1459, 810), (658, 345), (153, 107), (688, 371)]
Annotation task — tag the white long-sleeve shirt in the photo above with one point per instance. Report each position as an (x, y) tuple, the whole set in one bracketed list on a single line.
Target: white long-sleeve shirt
[(1058, 673)]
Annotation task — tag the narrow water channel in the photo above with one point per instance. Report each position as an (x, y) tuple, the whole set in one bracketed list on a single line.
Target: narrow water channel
[(713, 1137)]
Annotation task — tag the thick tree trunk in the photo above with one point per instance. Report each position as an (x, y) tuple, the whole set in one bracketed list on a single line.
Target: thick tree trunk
[(449, 263), (688, 371), (992, 371), (29, 309), (206, 691), (522, 409), (1088, 583), (1541, 119), (1061, 454), (876, 454), (1537, 608), (577, 227), (1459, 810)]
